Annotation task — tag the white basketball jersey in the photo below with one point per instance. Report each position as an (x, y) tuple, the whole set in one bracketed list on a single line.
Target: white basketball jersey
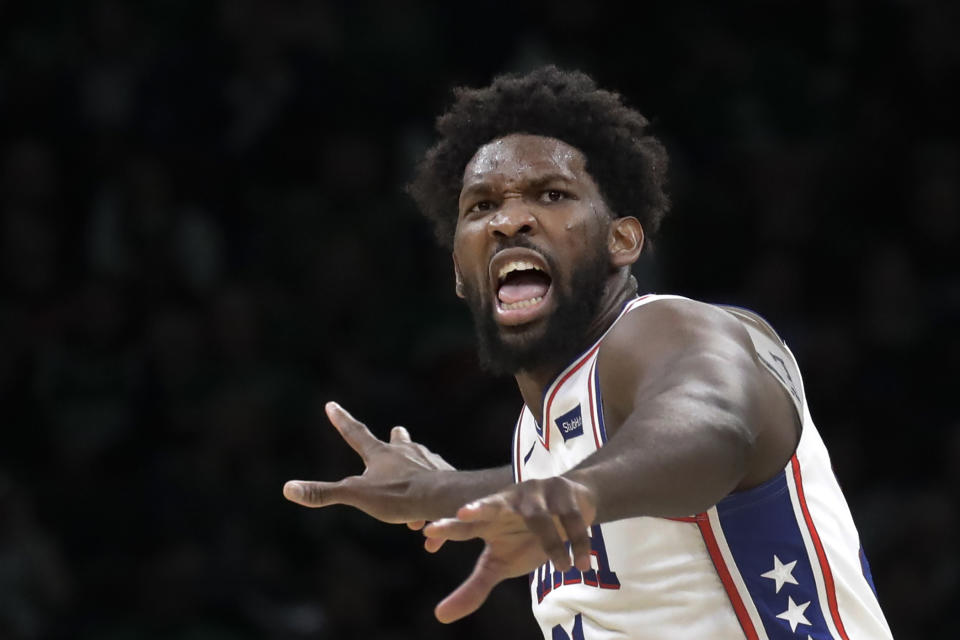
[(779, 561)]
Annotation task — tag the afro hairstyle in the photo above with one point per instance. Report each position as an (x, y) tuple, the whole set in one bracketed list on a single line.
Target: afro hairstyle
[(627, 163)]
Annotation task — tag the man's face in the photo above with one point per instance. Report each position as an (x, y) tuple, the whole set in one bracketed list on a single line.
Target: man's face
[(531, 250)]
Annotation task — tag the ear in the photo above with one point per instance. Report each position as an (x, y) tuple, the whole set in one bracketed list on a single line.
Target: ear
[(625, 241), (459, 277)]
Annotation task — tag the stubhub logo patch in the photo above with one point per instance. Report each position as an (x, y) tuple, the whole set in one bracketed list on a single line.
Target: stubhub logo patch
[(570, 424)]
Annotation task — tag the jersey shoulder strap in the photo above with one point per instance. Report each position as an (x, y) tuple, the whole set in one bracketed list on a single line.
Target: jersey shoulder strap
[(770, 348), (773, 353)]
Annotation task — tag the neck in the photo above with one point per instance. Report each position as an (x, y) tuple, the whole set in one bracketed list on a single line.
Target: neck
[(620, 288)]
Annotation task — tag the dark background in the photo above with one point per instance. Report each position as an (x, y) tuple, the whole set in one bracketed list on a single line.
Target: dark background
[(204, 236)]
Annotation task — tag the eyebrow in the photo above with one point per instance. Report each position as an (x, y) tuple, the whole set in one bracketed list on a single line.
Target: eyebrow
[(484, 187)]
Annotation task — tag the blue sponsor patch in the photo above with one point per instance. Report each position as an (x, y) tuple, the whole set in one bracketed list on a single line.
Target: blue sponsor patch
[(570, 424)]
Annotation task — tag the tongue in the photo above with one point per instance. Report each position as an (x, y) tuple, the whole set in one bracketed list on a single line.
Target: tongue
[(522, 286)]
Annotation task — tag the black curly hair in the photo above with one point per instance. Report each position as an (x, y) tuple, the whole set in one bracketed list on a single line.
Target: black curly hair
[(628, 164)]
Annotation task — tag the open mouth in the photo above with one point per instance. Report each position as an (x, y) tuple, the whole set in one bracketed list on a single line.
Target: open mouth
[(522, 285)]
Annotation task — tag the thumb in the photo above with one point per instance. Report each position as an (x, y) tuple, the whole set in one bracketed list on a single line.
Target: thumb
[(474, 591), (318, 494)]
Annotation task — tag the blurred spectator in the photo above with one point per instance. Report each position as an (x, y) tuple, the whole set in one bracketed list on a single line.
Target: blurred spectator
[(33, 576)]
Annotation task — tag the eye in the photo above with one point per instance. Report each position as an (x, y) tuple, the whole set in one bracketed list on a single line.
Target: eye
[(480, 207), (554, 195)]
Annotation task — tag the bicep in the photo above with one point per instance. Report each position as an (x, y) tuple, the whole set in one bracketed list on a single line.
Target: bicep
[(685, 358), (680, 349)]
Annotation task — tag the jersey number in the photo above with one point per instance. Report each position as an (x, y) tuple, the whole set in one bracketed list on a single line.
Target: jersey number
[(603, 577), (560, 634)]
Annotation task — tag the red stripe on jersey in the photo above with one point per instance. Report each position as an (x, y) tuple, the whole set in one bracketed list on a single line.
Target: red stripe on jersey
[(630, 306), (684, 519), (594, 417), (821, 554), (556, 388), (517, 460), (714, 549)]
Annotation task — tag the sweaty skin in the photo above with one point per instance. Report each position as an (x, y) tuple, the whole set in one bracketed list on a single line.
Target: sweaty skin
[(691, 413), (538, 190)]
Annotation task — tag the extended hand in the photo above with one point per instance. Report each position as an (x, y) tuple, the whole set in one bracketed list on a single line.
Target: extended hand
[(390, 488), (523, 526)]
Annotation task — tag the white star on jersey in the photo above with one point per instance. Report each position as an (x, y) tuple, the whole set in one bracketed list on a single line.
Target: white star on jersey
[(781, 573), (794, 614)]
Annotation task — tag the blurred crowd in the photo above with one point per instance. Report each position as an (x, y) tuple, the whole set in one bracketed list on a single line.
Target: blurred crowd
[(204, 237)]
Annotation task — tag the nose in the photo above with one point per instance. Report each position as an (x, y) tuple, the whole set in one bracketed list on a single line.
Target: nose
[(513, 218)]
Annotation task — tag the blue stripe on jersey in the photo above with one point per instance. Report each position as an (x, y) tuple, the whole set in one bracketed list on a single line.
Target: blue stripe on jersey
[(596, 386), (546, 389), (529, 453), (538, 427), (763, 534), (865, 567)]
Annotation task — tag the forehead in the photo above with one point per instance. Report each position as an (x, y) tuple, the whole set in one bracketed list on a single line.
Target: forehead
[(524, 156)]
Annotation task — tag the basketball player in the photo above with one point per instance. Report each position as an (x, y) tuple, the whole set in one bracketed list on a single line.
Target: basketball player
[(667, 480)]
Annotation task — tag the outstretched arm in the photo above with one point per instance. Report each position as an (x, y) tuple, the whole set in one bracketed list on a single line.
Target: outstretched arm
[(695, 417), (403, 481), (699, 415)]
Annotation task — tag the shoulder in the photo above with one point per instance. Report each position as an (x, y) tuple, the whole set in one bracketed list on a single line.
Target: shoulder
[(664, 330), (671, 351)]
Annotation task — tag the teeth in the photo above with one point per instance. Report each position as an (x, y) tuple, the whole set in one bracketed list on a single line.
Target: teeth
[(516, 265), (523, 304)]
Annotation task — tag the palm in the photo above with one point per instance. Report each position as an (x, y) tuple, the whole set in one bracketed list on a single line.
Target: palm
[(382, 489)]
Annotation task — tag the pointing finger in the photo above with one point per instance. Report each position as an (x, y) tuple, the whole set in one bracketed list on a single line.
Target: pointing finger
[(468, 597), (570, 521), (542, 525), (399, 434), (576, 530), (352, 430)]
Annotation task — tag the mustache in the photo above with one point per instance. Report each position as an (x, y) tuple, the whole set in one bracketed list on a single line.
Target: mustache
[(521, 242), (516, 242)]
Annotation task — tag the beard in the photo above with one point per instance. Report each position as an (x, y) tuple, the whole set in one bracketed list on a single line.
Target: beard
[(563, 332)]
